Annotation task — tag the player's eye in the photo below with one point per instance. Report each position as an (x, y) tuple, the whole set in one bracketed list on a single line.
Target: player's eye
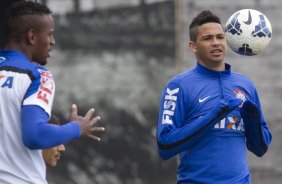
[(221, 37)]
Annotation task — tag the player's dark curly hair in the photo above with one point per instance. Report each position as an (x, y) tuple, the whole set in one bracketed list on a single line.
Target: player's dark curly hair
[(27, 8), (203, 17), (18, 18)]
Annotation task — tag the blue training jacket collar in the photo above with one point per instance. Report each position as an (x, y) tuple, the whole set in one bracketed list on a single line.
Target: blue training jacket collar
[(9, 53), (212, 73)]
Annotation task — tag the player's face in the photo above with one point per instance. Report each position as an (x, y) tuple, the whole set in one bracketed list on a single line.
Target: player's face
[(210, 46), (44, 40), (52, 155)]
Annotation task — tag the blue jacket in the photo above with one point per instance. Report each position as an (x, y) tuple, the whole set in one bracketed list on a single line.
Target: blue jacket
[(209, 118)]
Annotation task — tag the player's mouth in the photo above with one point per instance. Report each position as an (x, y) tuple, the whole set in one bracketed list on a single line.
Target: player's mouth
[(49, 53), (58, 157), (50, 50), (216, 52)]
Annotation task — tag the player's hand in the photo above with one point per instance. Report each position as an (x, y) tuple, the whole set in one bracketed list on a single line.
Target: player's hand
[(249, 106), (229, 104), (234, 103), (87, 124)]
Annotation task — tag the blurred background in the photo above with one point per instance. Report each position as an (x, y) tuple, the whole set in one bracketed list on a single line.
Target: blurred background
[(117, 55)]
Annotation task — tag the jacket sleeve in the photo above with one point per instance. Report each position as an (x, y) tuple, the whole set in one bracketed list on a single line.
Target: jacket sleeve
[(172, 138), (258, 136), (37, 133)]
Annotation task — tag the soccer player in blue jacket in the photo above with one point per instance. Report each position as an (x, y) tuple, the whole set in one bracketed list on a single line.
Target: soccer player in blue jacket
[(27, 91), (209, 115)]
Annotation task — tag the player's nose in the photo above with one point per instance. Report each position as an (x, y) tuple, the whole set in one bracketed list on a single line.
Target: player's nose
[(215, 41), (61, 148)]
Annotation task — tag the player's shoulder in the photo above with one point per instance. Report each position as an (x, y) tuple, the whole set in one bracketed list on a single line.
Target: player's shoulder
[(242, 78), (183, 78), (35, 70), (15, 61)]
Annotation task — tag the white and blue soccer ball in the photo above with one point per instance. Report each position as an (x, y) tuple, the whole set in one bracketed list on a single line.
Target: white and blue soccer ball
[(248, 32)]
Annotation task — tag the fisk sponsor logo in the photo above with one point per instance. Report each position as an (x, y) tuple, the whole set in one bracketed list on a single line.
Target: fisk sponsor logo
[(169, 105), (47, 86)]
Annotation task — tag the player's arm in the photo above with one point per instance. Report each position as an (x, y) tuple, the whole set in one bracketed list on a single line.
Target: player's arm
[(172, 138), (35, 112), (257, 134), (38, 134)]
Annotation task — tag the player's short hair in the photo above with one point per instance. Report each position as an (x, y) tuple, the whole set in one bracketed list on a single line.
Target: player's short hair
[(19, 17), (54, 120), (27, 8), (203, 17)]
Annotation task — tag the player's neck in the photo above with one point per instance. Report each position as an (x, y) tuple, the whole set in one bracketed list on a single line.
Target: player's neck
[(215, 66), (19, 47)]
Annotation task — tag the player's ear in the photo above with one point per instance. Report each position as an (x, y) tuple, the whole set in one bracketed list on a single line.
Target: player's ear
[(193, 46), (31, 36)]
